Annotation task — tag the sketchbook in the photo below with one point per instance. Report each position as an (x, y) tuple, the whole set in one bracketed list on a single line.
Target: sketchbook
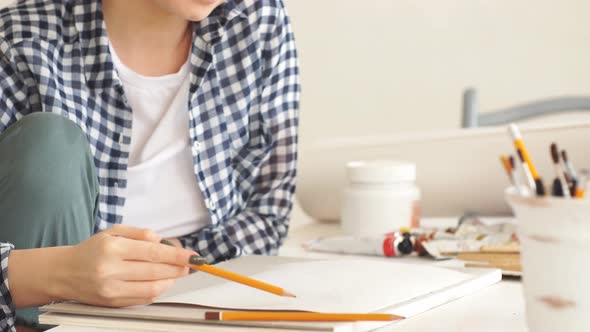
[(341, 285)]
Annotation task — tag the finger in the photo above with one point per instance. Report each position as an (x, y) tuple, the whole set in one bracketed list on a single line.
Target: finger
[(117, 289), (135, 233), (147, 289), (155, 253), (195, 259), (144, 271)]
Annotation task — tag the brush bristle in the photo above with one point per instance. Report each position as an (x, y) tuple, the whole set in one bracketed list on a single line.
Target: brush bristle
[(511, 159), (554, 153), (564, 155)]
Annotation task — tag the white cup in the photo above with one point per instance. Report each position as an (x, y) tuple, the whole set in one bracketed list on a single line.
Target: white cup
[(555, 254)]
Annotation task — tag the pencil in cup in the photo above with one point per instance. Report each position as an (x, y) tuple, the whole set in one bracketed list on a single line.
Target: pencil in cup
[(569, 165), (577, 189), (521, 149), (509, 164), (530, 182), (295, 316), (560, 185), (507, 167), (199, 263)]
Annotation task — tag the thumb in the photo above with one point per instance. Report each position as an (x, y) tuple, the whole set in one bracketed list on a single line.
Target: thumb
[(135, 233)]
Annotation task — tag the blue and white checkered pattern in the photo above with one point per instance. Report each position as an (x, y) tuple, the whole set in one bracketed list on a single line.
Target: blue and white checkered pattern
[(244, 100), (6, 308)]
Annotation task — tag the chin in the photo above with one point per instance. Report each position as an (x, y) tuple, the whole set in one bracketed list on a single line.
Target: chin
[(192, 10), (198, 15), (198, 10)]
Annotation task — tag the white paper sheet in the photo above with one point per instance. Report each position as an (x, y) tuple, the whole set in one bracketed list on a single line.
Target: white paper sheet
[(64, 328), (320, 286)]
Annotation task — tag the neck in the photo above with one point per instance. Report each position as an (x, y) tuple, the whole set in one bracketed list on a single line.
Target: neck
[(146, 38)]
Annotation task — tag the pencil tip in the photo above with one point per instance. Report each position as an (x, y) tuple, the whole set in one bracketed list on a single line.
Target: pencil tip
[(287, 294)]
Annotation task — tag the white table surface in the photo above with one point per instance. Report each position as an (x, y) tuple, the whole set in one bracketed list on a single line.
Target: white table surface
[(497, 308)]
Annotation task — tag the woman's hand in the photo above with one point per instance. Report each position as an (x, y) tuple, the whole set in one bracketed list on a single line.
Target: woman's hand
[(121, 266)]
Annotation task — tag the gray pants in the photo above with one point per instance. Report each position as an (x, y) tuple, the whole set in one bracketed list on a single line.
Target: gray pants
[(48, 186)]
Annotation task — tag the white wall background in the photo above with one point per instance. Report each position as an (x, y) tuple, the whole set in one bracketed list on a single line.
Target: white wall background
[(387, 66), (6, 2)]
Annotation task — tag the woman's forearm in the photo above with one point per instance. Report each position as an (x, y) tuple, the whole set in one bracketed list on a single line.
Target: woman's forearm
[(36, 276)]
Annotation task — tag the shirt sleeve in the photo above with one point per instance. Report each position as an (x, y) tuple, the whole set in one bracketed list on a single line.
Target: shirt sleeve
[(7, 310), (262, 225), (14, 103)]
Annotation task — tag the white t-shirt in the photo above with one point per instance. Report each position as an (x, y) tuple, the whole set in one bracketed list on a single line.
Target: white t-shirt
[(162, 192)]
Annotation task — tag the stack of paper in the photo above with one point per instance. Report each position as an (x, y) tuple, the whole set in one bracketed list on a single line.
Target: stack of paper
[(342, 286)]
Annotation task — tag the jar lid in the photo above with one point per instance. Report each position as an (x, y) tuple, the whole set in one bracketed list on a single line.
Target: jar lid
[(384, 171)]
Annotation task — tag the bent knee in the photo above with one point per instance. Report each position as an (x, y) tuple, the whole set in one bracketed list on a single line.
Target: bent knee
[(45, 150), (43, 131)]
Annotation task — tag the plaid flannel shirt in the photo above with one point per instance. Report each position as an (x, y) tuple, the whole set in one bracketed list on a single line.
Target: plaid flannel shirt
[(6, 308), (243, 111)]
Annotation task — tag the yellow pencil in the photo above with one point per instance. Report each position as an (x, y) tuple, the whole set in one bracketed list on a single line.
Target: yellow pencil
[(523, 152), (296, 316), (225, 274), (199, 263)]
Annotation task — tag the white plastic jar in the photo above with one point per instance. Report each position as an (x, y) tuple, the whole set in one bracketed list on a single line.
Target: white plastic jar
[(381, 197)]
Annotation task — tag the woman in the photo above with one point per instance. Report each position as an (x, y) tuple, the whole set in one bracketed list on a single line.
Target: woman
[(172, 119)]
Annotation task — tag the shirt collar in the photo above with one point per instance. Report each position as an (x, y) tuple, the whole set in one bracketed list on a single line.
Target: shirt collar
[(98, 65), (212, 28)]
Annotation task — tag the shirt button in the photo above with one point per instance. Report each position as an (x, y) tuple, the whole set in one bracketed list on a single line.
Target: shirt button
[(196, 147), (210, 204)]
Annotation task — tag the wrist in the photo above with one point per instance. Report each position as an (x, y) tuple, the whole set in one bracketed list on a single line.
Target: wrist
[(59, 279), (37, 276)]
